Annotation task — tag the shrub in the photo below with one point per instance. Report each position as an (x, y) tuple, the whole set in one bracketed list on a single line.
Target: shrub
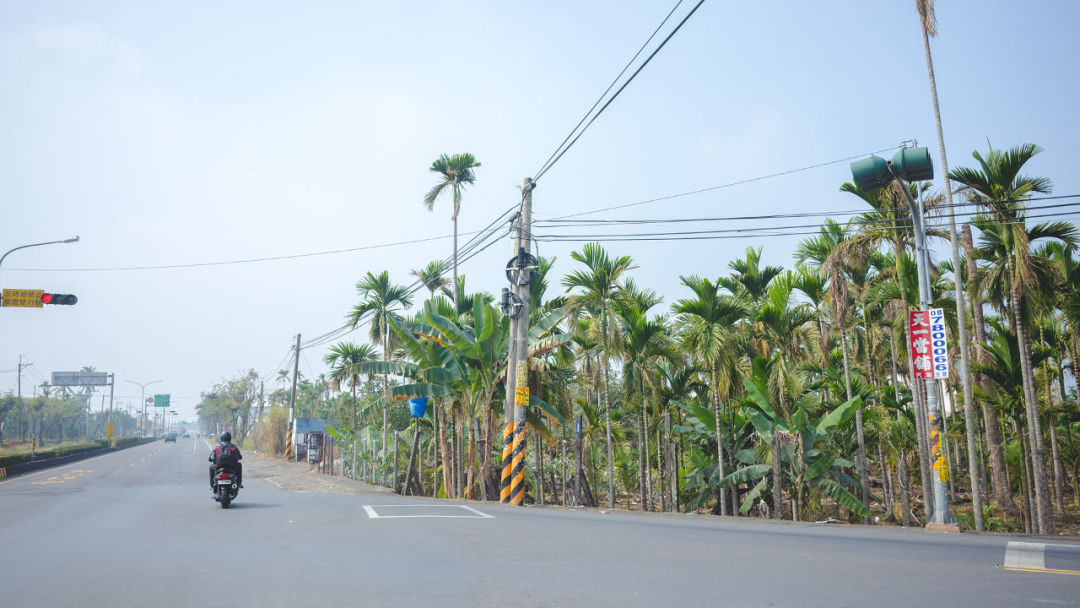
[(270, 434)]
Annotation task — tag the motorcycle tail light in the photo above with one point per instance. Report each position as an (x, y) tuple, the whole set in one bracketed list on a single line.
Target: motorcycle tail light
[(223, 475)]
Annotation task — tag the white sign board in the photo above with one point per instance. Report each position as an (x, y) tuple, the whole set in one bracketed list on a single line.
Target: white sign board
[(80, 379), (939, 346)]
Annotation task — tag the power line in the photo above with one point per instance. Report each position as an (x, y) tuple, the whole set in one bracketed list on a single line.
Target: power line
[(741, 233), (773, 216), (608, 90), (548, 165), (245, 261), (721, 186)]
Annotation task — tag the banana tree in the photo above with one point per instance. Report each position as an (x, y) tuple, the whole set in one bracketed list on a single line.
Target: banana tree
[(796, 440), (464, 365)]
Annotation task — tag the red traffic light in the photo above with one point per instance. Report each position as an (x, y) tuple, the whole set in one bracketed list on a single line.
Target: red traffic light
[(65, 299)]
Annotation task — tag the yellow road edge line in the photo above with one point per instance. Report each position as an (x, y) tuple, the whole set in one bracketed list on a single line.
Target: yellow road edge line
[(1049, 570)]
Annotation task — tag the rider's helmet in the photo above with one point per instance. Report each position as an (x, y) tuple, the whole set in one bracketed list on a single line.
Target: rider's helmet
[(226, 437)]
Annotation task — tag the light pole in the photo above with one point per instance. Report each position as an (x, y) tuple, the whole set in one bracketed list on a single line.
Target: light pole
[(71, 240), (142, 400), (911, 164)]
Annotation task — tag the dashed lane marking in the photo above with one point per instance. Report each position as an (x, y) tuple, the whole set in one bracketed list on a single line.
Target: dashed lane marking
[(472, 513)]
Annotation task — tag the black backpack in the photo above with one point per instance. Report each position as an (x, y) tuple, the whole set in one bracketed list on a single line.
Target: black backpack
[(225, 457)]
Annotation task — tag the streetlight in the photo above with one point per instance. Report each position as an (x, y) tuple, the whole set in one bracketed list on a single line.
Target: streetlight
[(142, 400), (71, 240), (911, 164)]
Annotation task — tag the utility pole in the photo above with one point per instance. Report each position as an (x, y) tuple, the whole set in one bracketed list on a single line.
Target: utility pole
[(21, 406), (292, 397), (524, 276), (941, 516), (112, 382), (510, 308)]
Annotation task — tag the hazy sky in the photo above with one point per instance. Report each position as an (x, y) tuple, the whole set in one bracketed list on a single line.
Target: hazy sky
[(178, 133)]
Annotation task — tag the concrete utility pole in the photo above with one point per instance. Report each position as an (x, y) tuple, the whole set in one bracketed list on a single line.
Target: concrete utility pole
[(521, 346), (292, 397), (510, 297), (942, 516)]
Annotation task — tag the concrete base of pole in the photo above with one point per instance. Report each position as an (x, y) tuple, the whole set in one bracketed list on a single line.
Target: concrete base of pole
[(945, 528)]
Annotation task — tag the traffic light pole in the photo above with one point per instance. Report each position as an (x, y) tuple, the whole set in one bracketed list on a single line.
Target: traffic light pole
[(941, 516)]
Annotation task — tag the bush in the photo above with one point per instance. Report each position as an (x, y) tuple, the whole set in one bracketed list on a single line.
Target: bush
[(70, 450), (270, 434)]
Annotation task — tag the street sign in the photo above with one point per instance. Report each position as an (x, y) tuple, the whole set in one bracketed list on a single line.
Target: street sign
[(939, 347), (23, 298), (161, 401), (80, 379), (149, 401), (929, 349)]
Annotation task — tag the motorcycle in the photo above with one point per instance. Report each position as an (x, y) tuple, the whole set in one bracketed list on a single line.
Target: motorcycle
[(225, 487)]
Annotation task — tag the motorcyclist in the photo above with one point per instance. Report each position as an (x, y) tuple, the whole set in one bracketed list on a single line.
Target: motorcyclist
[(221, 455)]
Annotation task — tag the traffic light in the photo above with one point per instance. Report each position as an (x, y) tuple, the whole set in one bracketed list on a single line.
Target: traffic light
[(910, 164), (65, 299)]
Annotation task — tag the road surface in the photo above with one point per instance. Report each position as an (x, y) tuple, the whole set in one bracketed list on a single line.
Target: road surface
[(138, 528)]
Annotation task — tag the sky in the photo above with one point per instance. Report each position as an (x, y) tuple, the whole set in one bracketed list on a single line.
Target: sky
[(184, 133)]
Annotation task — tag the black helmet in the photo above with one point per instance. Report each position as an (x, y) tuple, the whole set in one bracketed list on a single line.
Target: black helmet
[(226, 437)]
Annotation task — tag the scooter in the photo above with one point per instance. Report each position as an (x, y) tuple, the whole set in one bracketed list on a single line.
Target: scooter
[(225, 487)]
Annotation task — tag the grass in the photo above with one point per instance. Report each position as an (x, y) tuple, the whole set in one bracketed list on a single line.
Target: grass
[(10, 448)]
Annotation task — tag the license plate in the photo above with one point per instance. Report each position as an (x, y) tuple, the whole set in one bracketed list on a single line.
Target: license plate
[(224, 482)]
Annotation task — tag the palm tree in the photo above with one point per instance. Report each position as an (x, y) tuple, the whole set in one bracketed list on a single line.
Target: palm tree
[(380, 302), (432, 275), (646, 344), (707, 329), (1000, 187), (824, 250), (345, 360), (600, 296), (928, 20), (456, 172)]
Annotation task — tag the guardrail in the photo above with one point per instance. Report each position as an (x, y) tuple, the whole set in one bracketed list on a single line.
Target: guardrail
[(35, 465)]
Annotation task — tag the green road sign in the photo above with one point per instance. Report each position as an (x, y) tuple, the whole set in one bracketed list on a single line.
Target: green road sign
[(161, 401)]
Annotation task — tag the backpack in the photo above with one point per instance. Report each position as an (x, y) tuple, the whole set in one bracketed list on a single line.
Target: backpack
[(225, 457)]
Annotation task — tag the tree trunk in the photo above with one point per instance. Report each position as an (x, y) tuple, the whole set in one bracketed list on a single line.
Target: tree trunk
[(886, 480), (607, 435), (1038, 456), (1030, 507), (864, 479), (1059, 477), (720, 447), (777, 491), (905, 495)]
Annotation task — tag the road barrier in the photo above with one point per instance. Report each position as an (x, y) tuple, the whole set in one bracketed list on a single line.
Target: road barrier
[(35, 465)]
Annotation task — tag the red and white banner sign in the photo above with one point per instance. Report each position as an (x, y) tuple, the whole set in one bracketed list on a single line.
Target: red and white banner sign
[(929, 349)]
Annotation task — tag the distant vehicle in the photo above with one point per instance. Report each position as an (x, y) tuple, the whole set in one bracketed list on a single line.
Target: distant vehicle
[(170, 437), (187, 435)]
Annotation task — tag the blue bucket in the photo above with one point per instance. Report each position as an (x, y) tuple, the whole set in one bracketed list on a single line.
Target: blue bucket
[(418, 406)]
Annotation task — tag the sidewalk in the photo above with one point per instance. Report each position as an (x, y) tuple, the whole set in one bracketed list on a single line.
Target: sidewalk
[(301, 477)]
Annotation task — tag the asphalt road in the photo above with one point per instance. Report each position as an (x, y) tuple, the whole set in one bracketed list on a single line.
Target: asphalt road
[(138, 528)]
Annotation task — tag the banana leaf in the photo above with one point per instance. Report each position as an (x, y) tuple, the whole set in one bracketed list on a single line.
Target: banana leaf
[(545, 324), (840, 416), (842, 496), (420, 389), (532, 418), (753, 495), (745, 474), (396, 368), (547, 408)]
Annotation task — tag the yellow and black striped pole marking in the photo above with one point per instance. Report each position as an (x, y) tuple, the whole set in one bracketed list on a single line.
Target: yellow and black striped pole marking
[(3, 473), (521, 401), (507, 462), (936, 455)]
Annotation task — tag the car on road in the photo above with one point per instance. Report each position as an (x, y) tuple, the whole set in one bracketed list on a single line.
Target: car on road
[(171, 437), (187, 435)]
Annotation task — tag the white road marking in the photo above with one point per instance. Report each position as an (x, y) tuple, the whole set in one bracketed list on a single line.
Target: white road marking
[(1030, 556), (372, 514)]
